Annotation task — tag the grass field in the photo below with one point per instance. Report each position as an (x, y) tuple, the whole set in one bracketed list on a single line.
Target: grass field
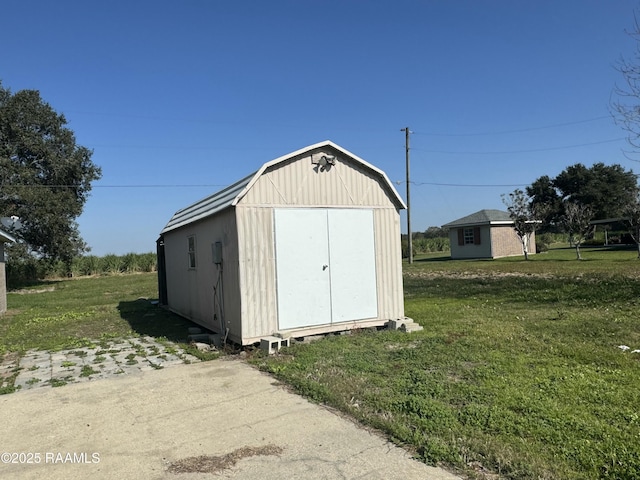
[(517, 373), (65, 314)]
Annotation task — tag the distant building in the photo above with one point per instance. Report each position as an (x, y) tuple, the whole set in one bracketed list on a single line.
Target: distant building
[(486, 234), (4, 238)]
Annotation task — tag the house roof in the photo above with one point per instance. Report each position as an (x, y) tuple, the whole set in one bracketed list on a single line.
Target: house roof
[(231, 195), (6, 238), (483, 217)]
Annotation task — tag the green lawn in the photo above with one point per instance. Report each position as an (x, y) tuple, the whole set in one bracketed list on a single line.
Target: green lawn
[(65, 314), (518, 370)]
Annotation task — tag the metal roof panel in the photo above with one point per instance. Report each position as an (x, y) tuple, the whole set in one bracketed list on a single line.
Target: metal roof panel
[(207, 206)]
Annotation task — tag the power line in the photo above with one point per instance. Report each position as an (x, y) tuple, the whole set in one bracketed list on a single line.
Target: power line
[(398, 182), (534, 150), (520, 130), (228, 121), (418, 184), (121, 186), (445, 152), (471, 185), (161, 186)]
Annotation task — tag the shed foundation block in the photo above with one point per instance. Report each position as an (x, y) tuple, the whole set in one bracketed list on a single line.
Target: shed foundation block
[(273, 344), (405, 324)]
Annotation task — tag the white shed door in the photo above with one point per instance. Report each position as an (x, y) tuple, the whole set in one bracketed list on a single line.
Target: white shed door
[(353, 265), (325, 266)]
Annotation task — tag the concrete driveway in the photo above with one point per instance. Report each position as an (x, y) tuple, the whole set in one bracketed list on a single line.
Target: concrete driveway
[(218, 419)]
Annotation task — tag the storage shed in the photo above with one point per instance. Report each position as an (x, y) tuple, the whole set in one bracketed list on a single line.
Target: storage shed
[(486, 234), (308, 244)]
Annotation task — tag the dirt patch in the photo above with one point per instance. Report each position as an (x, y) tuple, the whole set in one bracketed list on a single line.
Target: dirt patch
[(401, 346), (9, 359), (474, 275), (27, 291), (213, 464)]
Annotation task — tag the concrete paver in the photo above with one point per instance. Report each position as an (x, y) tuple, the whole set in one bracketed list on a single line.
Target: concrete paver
[(45, 369)]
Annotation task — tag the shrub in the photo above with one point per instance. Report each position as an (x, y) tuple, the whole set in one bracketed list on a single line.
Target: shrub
[(85, 266), (112, 264), (22, 268), (148, 262), (26, 270), (426, 245), (130, 263), (543, 242)]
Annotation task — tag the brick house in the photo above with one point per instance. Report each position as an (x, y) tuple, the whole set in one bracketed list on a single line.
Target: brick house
[(486, 234)]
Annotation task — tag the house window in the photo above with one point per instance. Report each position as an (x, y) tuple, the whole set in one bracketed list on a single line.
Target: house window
[(192, 251), (468, 236)]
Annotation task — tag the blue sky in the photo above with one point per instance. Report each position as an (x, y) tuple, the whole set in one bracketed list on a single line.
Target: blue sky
[(179, 99)]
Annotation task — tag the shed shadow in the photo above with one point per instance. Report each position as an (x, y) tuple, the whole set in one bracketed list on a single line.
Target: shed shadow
[(449, 259), (147, 318), (432, 260)]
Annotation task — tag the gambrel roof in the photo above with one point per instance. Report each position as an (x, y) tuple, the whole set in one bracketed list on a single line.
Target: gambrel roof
[(231, 195), (483, 217)]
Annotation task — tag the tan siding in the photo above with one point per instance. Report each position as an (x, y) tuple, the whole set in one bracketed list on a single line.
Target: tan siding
[(257, 271), (299, 182), (249, 252), (190, 291), (507, 244), (389, 264)]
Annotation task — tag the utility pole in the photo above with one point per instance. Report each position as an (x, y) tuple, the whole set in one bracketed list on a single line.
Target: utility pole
[(409, 239)]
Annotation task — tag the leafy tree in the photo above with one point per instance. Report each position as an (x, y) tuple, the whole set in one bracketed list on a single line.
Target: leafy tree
[(577, 223), (45, 177), (436, 232), (605, 189), (546, 200), (521, 211)]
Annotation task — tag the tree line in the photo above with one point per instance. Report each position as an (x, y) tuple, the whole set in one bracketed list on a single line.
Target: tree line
[(27, 271), (573, 200)]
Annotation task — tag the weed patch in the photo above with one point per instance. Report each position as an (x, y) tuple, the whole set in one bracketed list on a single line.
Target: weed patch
[(59, 382), (87, 371)]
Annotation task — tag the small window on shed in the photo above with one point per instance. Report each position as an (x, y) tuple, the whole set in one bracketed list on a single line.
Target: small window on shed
[(468, 236), (192, 251)]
